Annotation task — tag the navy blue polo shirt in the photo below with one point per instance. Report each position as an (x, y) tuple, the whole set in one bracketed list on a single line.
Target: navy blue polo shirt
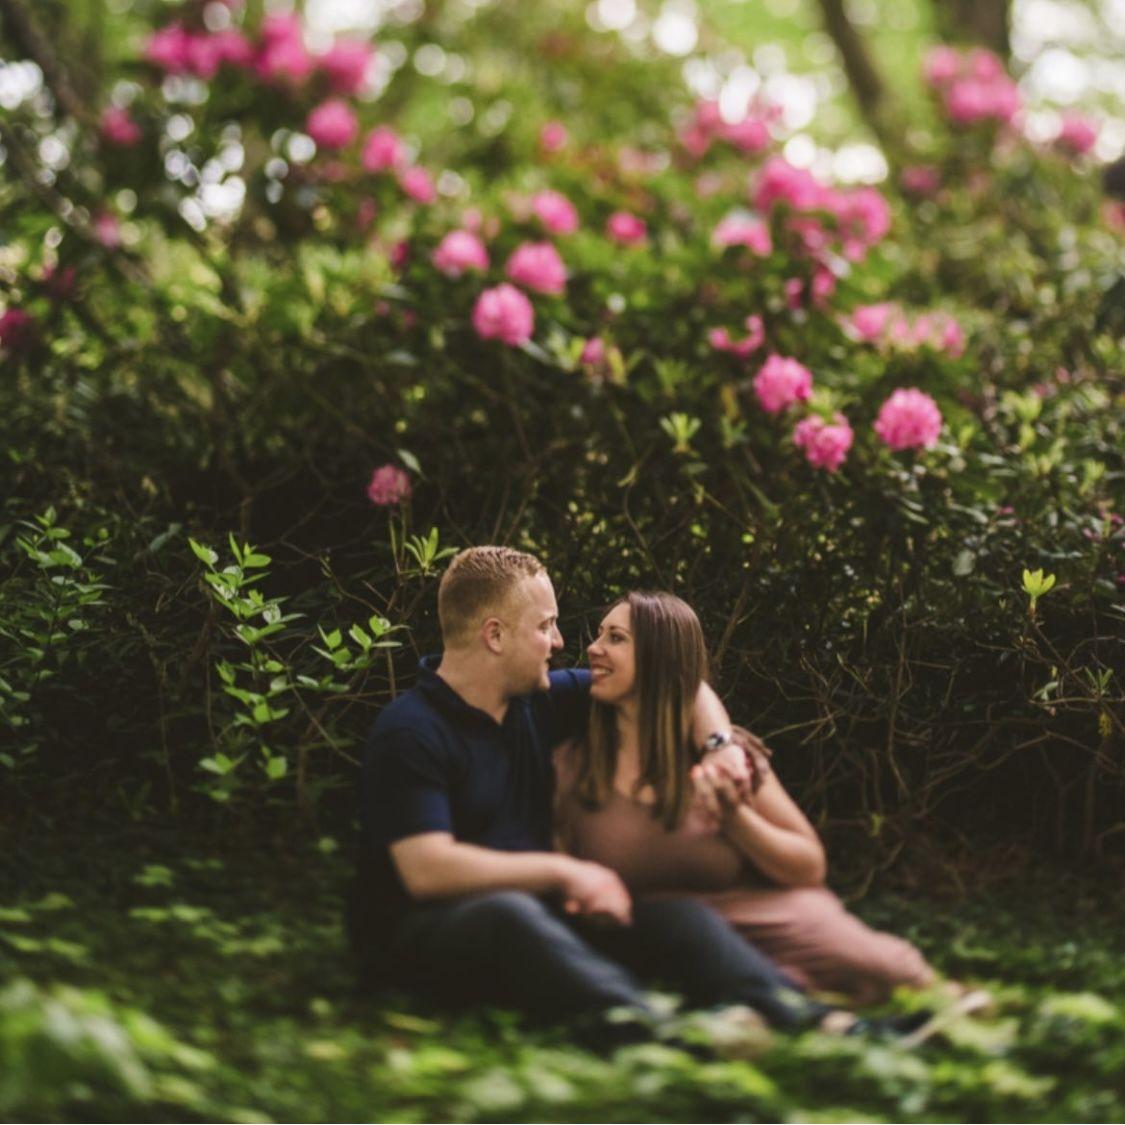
[(433, 763)]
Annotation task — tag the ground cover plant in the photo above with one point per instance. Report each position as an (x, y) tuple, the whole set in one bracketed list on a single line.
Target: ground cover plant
[(290, 311), (204, 986)]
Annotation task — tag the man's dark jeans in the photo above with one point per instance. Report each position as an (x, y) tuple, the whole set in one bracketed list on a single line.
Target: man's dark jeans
[(512, 949)]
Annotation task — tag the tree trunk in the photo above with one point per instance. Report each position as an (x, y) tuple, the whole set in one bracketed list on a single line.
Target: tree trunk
[(866, 83), (984, 22)]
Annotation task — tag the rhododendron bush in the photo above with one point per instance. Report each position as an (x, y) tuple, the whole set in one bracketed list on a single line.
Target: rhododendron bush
[(363, 299)]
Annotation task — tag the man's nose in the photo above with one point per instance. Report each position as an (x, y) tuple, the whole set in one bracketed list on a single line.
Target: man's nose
[(557, 640)]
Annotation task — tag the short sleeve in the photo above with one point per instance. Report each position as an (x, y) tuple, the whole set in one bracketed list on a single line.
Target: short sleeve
[(406, 785), (563, 709)]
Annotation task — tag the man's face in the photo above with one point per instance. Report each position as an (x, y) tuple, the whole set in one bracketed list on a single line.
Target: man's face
[(532, 635)]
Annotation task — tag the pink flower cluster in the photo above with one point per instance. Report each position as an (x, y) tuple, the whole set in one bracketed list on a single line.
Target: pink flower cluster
[(750, 134), (279, 54), (909, 419), (176, 50), (117, 127), (389, 485), (17, 330), (886, 323), (825, 444), (459, 251), (557, 214), (503, 313), (1077, 134), (626, 229), (538, 267), (862, 216), (742, 230), (973, 85), (780, 382), (722, 341), (383, 150), (332, 125)]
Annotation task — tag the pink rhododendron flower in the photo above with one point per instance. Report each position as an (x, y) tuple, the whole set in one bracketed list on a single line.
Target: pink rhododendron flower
[(822, 286), (346, 64), (17, 330), (389, 485), (233, 48), (719, 339), (920, 179), (941, 65), (460, 250), (537, 266), (107, 230), (382, 150), (1077, 133), (593, 352), (555, 212), (865, 215), (504, 313), (952, 338), (869, 322), (119, 128), (781, 181), (625, 228), (553, 136), (283, 54), (794, 290), (741, 230), (400, 254), (332, 124), (757, 332), (969, 100), (909, 419), (985, 66), (780, 382), (749, 135), (168, 48), (60, 282), (722, 341), (825, 444), (417, 184)]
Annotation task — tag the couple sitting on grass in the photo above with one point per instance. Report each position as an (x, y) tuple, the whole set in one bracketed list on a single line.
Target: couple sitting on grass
[(556, 841)]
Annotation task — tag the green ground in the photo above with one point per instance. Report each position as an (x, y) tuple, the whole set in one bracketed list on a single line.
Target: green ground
[(240, 962)]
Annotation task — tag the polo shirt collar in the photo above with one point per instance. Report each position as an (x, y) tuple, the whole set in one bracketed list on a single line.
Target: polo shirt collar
[(440, 695)]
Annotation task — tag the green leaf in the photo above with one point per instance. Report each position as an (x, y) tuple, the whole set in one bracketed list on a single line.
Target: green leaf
[(277, 768), (204, 554), (964, 563)]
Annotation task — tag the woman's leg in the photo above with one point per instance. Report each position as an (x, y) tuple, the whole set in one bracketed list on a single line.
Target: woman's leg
[(809, 932)]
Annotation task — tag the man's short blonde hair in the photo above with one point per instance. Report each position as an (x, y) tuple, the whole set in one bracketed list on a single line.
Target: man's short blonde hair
[(479, 583)]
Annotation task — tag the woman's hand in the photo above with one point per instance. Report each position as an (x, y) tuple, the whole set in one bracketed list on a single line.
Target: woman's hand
[(720, 787)]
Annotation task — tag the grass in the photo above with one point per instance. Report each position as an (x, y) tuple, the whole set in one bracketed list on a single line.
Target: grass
[(173, 983)]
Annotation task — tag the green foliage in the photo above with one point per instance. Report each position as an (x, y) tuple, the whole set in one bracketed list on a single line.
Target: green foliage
[(49, 605), (235, 1003)]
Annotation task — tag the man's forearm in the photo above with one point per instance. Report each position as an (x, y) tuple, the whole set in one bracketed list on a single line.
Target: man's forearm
[(445, 868), (708, 715)]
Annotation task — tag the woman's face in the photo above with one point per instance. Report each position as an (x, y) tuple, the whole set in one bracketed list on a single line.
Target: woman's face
[(612, 658)]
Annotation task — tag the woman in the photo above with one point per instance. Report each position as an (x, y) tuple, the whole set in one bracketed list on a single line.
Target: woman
[(630, 797)]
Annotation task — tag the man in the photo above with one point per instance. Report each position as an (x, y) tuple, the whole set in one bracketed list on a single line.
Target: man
[(461, 896)]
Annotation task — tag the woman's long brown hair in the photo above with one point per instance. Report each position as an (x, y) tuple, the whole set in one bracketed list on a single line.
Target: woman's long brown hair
[(671, 663)]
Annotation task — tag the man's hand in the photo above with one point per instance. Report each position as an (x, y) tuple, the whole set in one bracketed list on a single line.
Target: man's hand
[(596, 892), (757, 755), (729, 776)]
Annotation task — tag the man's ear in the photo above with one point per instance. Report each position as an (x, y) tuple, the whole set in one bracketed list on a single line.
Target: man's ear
[(492, 633)]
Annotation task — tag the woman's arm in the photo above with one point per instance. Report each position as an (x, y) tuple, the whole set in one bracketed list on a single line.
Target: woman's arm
[(769, 829)]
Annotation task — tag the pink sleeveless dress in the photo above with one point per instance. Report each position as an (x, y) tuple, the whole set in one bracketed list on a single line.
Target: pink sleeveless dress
[(806, 930)]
